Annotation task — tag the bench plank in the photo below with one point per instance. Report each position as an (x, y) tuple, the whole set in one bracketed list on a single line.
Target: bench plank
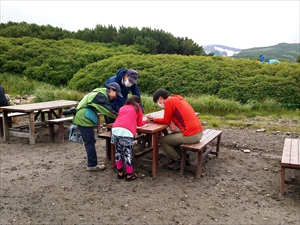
[(110, 150), (295, 156), (13, 114), (59, 120), (291, 154), (23, 134), (208, 136)]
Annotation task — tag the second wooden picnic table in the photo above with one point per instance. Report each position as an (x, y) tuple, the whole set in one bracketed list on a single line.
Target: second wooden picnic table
[(30, 109)]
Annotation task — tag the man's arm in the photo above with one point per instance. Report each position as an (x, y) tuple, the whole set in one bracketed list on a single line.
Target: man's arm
[(102, 104)]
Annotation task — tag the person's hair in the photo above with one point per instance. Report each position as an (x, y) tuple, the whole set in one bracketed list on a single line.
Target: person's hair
[(160, 92), (134, 100)]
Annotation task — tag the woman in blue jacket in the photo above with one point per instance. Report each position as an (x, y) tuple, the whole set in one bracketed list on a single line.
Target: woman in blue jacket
[(127, 79)]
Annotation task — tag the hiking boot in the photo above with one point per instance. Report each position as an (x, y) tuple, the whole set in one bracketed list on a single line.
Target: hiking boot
[(171, 162), (96, 168), (175, 166)]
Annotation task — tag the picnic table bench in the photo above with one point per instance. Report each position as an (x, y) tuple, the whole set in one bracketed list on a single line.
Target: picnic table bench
[(10, 116), (291, 160), (61, 129), (111, 154), (60, 122), (201, 148)]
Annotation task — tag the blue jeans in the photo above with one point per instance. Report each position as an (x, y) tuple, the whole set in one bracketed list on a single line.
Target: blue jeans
[(89, 140)]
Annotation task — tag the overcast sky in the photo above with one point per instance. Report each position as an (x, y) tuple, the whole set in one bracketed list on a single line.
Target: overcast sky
[(239, 23)]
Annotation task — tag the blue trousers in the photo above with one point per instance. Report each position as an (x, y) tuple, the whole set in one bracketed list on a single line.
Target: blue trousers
[(89, 140)]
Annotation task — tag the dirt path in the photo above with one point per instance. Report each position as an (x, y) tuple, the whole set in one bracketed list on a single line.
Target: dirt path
[(47, 183)]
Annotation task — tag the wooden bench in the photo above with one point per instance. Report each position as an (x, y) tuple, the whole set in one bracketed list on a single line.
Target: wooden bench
[(109, 147), (60, 123), (61, 129), (10, 116), (291, 160), (16, 114), (208, 136)]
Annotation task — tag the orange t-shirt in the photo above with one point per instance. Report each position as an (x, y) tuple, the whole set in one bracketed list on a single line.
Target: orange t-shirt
[(178, 110)]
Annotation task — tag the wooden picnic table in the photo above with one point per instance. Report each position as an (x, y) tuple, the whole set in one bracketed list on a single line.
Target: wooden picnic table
[(31, 109), (153, 129)]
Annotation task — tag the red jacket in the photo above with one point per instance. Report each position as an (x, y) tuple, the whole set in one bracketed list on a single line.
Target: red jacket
[(129, 119), (183, 115)]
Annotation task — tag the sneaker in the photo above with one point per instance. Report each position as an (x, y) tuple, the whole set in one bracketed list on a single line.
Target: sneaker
[(96, 168)]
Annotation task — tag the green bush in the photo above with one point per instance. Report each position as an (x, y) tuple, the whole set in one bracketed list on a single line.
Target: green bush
[(239, 80), (83, 66)]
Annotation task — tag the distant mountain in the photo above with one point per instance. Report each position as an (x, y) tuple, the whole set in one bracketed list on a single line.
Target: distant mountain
[(221, 50), (282, 51)]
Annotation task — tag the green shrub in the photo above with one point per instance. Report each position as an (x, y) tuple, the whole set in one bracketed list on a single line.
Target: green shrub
[(83, 66)]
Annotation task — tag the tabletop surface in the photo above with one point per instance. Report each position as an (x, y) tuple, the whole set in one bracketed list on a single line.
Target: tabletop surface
[(150, 127), (158, 114), (39, 106)]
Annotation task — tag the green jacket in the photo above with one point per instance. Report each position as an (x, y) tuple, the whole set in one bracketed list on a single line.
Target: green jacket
[(98, 101)]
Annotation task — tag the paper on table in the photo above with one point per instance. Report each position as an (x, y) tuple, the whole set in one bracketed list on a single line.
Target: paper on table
[(144, 125)]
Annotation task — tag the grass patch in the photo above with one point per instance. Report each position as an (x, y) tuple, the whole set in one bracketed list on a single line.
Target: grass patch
[(231, 117), (250, 114), (46, 93)]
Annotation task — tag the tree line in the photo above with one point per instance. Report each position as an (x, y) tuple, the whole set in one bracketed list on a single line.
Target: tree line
[(148, 40)]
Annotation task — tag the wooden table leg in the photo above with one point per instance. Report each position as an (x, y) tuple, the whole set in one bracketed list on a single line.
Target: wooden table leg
[(199, 164), (112, 155), (282, 180), (155, 155), (31, 128), (60, 112), (108, 148), (61, 129), (218, 145), (5, 126), (183, 161)]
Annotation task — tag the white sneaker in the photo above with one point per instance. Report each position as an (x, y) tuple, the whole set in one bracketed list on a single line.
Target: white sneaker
[(96, 168)]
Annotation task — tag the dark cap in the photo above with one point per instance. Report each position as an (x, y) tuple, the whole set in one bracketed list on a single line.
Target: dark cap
[(133, 75), (116, 87)]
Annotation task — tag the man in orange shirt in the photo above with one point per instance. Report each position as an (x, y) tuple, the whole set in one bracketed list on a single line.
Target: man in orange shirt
[(177, 113)]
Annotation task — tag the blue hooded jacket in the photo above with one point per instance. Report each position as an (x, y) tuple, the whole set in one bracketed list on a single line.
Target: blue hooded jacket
[(118, 102)]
